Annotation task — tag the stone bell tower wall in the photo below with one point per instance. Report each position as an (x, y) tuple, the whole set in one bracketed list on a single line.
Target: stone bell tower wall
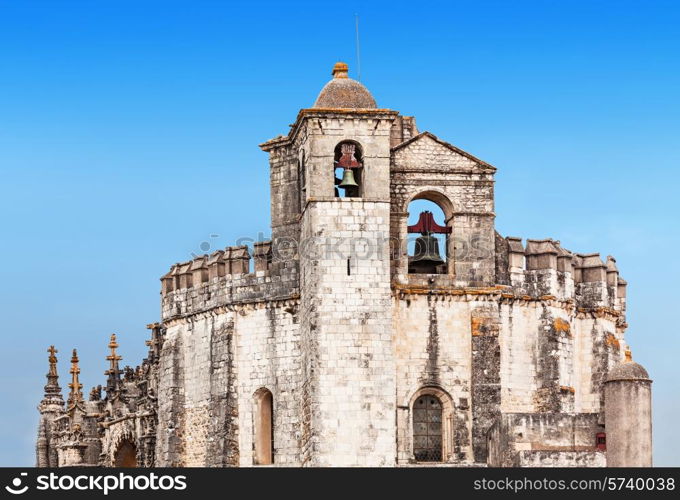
[(425, 167), (345, 297)]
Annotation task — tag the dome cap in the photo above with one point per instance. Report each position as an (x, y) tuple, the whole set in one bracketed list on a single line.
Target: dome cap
[(343, 92), (628, 370)]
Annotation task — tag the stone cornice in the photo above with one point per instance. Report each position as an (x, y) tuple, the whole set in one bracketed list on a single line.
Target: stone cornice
[(324, 113)]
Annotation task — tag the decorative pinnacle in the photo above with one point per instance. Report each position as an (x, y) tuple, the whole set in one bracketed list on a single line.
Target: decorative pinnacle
[(340, 70), (52, 388), (113, 372), (76, 395), (113, 358), (629, 355)]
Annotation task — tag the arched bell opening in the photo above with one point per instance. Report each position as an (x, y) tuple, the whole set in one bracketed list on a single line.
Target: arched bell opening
[(348, 170), (125, 455), (428, 238)]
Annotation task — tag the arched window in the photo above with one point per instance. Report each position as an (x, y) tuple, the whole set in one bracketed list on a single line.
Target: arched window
[(348, 170), (126, 455), (428, 244), (427, 428), (263, 439)]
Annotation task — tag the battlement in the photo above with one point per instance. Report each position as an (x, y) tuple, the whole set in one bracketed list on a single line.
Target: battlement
[(544, 267), (224, 278)]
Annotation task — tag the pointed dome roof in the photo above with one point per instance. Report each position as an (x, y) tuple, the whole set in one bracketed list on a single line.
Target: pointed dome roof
[(343, 92)]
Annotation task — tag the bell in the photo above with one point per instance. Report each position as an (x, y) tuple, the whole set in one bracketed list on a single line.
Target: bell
[(348, 179), (427, 251)]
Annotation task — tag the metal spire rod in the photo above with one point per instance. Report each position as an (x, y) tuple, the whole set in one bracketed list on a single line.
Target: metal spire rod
[(356, 24)]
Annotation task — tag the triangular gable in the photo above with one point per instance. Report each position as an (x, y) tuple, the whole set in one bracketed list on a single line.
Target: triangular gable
[(426, 148)]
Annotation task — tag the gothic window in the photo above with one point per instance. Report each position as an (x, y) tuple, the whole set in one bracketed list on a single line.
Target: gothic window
[(263, 441), (428, 251), (348, 168), (427, 429)]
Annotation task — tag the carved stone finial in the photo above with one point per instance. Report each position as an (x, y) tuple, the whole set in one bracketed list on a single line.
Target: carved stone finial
[(52, 358), (155, 343), (114, 371), (340, 70), (76, 394), (629, 356), (52, 388)]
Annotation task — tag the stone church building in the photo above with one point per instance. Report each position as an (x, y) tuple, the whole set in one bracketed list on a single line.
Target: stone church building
[(337, 343)]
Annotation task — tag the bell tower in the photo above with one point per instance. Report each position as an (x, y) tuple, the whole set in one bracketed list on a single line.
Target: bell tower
[(342, 145)]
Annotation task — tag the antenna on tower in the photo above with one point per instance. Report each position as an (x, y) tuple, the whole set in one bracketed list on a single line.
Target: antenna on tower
[(356, 25)]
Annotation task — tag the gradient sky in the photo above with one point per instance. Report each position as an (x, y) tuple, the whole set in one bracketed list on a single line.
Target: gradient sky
[(129, 133)]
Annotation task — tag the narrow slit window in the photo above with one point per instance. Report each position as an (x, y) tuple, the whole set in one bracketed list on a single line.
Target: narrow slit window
[(264, 428)]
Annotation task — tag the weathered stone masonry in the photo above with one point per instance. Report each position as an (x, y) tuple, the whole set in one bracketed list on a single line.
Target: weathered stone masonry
[(320, 348)]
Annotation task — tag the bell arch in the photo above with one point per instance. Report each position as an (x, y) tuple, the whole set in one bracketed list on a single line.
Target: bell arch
[(348, 167), (432, 250), (125, 454), (430, 426), (263, 427), (435, 195)]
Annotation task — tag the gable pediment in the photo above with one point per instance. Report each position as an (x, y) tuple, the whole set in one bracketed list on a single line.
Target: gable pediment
[(426, 151)]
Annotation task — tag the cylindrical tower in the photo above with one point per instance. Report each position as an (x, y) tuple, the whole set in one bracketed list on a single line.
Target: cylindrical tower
[(628, 415)]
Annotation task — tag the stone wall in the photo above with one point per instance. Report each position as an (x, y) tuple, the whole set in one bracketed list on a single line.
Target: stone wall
[(546, 440), (433, 350), (268, 356), (346, 333)]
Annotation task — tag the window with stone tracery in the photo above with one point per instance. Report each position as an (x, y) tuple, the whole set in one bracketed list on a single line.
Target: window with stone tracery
[(427, 429)]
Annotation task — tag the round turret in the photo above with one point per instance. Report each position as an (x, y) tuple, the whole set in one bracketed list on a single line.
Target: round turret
[(628, 415), (628, 370), (343, 92)]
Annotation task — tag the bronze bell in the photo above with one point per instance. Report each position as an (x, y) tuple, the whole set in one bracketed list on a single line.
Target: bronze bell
[(427, 251), (426, 259), (348, 179)]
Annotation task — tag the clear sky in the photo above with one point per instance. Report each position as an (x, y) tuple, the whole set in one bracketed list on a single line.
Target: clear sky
[(129, 133)]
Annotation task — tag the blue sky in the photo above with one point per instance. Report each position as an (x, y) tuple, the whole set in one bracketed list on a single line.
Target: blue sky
[(129, 132)]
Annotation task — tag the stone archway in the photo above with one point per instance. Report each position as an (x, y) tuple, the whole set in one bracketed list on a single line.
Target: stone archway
[(443, 202), (125, 455)]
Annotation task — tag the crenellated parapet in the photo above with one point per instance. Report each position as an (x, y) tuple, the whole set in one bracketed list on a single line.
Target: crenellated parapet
[(224, 278), (545, 268), (232, 261)]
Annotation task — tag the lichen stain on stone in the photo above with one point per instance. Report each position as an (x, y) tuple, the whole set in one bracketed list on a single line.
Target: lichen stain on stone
[(611, 340), (483, 327), (561, 326)]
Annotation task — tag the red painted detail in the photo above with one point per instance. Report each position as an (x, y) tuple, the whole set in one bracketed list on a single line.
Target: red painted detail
[(426, 224)]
